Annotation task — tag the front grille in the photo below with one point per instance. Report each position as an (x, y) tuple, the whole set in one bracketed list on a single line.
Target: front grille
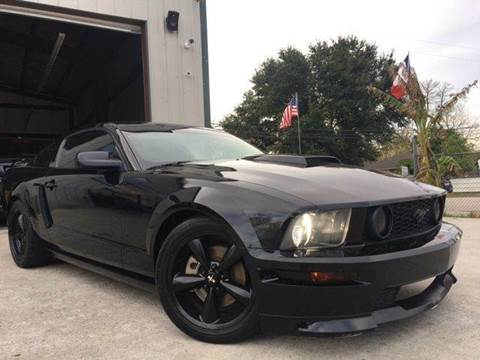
[(410, 219)]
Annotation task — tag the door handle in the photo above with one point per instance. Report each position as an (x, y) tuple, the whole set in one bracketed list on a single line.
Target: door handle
[(50, 185)]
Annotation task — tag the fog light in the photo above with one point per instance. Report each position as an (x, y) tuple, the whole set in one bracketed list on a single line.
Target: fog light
[(437, 211), (380, 223)]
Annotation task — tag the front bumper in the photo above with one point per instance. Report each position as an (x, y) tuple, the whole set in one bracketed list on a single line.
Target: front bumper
[(368, 300)]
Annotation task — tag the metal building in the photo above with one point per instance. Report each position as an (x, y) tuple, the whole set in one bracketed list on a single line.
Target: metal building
[(68, 63)]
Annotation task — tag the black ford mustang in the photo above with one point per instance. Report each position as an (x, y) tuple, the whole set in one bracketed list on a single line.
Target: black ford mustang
[(232, 239)]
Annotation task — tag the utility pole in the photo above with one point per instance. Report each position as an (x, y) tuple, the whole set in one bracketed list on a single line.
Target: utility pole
[(415, 155)]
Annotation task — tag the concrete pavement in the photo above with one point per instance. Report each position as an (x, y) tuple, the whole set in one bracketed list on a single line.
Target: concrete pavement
[(62, 312)]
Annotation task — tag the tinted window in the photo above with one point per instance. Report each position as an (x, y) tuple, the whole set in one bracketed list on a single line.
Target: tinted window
[(190, 145), (46, 157), (86, 141)]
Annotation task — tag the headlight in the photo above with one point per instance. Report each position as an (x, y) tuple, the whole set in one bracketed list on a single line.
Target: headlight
[(317, 230)]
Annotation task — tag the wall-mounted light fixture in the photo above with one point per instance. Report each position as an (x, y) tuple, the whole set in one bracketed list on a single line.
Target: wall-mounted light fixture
[(172, 20)]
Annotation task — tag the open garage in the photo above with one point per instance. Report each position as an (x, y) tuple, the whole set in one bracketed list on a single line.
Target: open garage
[(57, 76), (67, 65)]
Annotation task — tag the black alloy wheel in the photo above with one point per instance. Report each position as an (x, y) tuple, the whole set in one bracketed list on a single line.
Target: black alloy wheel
[(27, 249), (214, 275), (18, 234), (204, 284)]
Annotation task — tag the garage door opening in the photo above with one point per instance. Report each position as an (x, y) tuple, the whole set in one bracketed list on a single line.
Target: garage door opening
[(56, 77)]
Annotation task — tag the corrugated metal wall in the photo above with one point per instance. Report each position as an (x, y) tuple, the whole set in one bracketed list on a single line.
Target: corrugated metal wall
[(175, 72)]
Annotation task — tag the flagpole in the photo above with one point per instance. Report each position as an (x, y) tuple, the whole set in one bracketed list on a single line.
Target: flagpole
[(298, 126)]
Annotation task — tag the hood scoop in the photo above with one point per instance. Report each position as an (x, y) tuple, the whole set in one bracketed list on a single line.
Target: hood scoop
[(298, 160)]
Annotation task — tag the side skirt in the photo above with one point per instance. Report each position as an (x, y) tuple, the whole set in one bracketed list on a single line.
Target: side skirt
[(139, 281)]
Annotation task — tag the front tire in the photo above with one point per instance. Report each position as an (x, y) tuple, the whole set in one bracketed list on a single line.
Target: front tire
[(204, 284), (27, 248)]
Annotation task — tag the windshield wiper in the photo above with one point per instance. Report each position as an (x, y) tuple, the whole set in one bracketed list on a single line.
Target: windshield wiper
[(174, 163)]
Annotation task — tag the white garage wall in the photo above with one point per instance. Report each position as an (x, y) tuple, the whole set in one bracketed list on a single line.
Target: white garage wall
[(175, 72)]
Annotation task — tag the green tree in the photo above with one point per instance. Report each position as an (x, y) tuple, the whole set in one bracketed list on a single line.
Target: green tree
[(338, 116), (453, 152), (450, 142), (427, 118), (256, 119), (357, 123), (450, 137)]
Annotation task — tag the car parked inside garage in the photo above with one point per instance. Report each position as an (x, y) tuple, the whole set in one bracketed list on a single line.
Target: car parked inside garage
[(233, 240), (5, 165)]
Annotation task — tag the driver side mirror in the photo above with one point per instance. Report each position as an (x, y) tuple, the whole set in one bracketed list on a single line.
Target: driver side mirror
[(98, 160)]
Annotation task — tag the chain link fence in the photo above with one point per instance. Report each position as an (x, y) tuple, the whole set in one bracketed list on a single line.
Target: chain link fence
[(465, 198), (464, 177), (461, 175)]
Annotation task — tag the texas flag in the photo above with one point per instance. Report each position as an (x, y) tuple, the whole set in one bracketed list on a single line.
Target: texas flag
[(399, 87)]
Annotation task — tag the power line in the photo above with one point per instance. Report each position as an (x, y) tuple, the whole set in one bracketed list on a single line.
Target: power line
[(355, 131), (327, 134), (446, 44), (445, 56)]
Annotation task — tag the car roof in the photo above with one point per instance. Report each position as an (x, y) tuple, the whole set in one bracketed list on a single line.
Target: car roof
[(147, 127)]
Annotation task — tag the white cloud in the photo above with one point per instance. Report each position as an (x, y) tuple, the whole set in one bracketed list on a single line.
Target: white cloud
[(442, 37)]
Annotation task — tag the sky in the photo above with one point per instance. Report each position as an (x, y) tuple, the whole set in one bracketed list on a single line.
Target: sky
[(443, 38)]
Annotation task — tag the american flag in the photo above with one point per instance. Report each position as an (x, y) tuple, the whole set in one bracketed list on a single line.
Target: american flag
[(290, 112)]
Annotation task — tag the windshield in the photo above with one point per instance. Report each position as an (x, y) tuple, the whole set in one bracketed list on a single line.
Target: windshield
[(187, 145)]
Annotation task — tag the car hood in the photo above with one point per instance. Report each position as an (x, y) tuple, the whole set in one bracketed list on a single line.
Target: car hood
[(321, 185)]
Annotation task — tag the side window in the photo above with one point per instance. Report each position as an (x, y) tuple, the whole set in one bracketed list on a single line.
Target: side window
[(86, 141), (46, 157)]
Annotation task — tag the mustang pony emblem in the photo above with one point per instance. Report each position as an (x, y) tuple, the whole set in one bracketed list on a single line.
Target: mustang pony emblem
[(419, 215)]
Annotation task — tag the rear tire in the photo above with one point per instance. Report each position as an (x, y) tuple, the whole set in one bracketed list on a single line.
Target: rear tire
[(27, 249), (211, 299)]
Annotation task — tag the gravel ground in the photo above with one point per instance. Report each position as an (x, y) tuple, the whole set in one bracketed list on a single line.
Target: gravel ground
[(62, 312)]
